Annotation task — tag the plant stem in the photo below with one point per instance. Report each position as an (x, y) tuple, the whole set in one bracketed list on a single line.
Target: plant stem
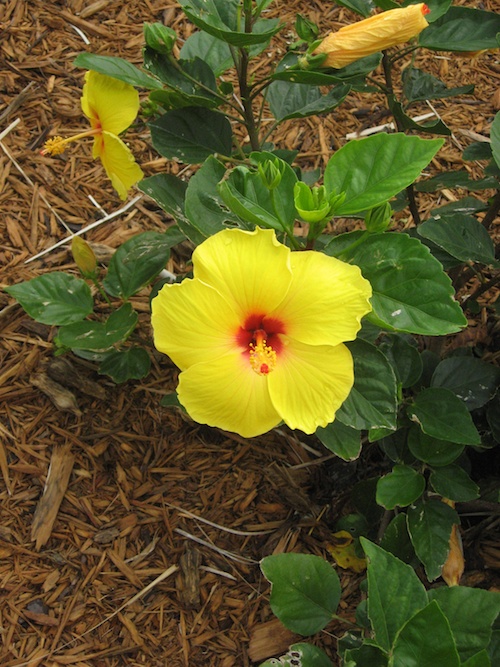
[(492, 212), (101, 291)]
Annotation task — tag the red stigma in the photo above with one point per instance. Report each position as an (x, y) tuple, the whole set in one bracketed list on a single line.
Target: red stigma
[(264, 369), (425, 10)]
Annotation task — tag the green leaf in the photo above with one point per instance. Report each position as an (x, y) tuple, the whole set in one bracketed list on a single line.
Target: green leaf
[(404, 357), (354, 73), (480, 659), (411, 292), (400, 487), (495, 138), (305, 591), (372, 170), (169, 193), (117, 68), (204, 207), (429, 525), (294, 100), (433, 451), (460, 235), (305, 655), (425, 641), (136, 263), (472, 380), (191, 81), (99, 335), (467, 205), (419, 85), (454, 483), (456, 179), (191, 134), (478, 150), (362, 7), (443, 415), (372, 402), (123, 365), (405, 122), (395, 593), (340, 439), (214, 52), (462, 29), (470, 613), (55, 299), (222, 19), (365, 656), (397, 541)]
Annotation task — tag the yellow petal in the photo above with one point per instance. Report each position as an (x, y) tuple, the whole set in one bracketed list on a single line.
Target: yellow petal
[(310, 383), (326, 300), (227, 394), (250, 269), (118, 161), (108, 103), (373, 34), (192, 323)]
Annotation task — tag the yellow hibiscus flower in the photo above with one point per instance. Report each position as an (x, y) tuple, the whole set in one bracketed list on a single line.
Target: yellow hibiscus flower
[(258, 333), (111, 106), (372, 35)]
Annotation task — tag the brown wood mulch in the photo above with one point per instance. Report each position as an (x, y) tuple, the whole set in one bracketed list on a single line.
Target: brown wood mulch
[(129, 535)]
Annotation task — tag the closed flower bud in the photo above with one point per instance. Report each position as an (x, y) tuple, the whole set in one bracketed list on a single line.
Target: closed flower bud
[(84, 257), (271, 172), (378, 218), (371, 35)]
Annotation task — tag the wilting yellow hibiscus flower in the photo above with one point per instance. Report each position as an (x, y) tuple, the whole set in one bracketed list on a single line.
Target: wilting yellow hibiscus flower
[(373, 34), (111, 106), (258, 333)]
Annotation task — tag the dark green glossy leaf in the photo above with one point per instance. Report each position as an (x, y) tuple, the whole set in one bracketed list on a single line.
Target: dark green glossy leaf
[(456, 179), (433, 451), (479, 150), (395, 593), (466, 205), (400, 487), (192, 81), (55, 298), (353, 74), (305, 591), (99, 336), (472, 380), (204, 207), (411, 292), (397, 541), (214, 52), (340, 439), (462, 29), (441, 414), (470, 613), (495, 137), (372, 402), (429, 525), (454, 483), (480, 659), (405, 358), (123, 365), (365, 656), (426, 641), (461, 236), (372, 170), (137, 262), (362, 7), (191, 134), (420, 85), (294, 100), (405, 122), (223, 19), (117, 68)]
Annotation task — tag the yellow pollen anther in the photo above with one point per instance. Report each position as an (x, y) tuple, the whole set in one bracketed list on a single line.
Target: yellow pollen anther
[(262, 357), (57, 145), (54, 146)]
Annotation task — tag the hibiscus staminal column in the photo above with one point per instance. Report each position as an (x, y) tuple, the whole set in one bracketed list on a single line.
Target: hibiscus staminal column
[(258, 333)]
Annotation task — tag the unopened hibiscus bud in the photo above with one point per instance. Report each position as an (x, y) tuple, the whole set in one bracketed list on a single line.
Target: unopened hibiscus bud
[(378, 218), (271, 172), (84, 257), (374, 34), (306, 29), (159, 37)]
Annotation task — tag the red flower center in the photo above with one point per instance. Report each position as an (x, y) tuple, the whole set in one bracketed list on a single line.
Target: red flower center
[(260, 339)]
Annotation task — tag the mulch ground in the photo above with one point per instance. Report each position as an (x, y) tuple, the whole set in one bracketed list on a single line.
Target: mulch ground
[(152, 556)]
